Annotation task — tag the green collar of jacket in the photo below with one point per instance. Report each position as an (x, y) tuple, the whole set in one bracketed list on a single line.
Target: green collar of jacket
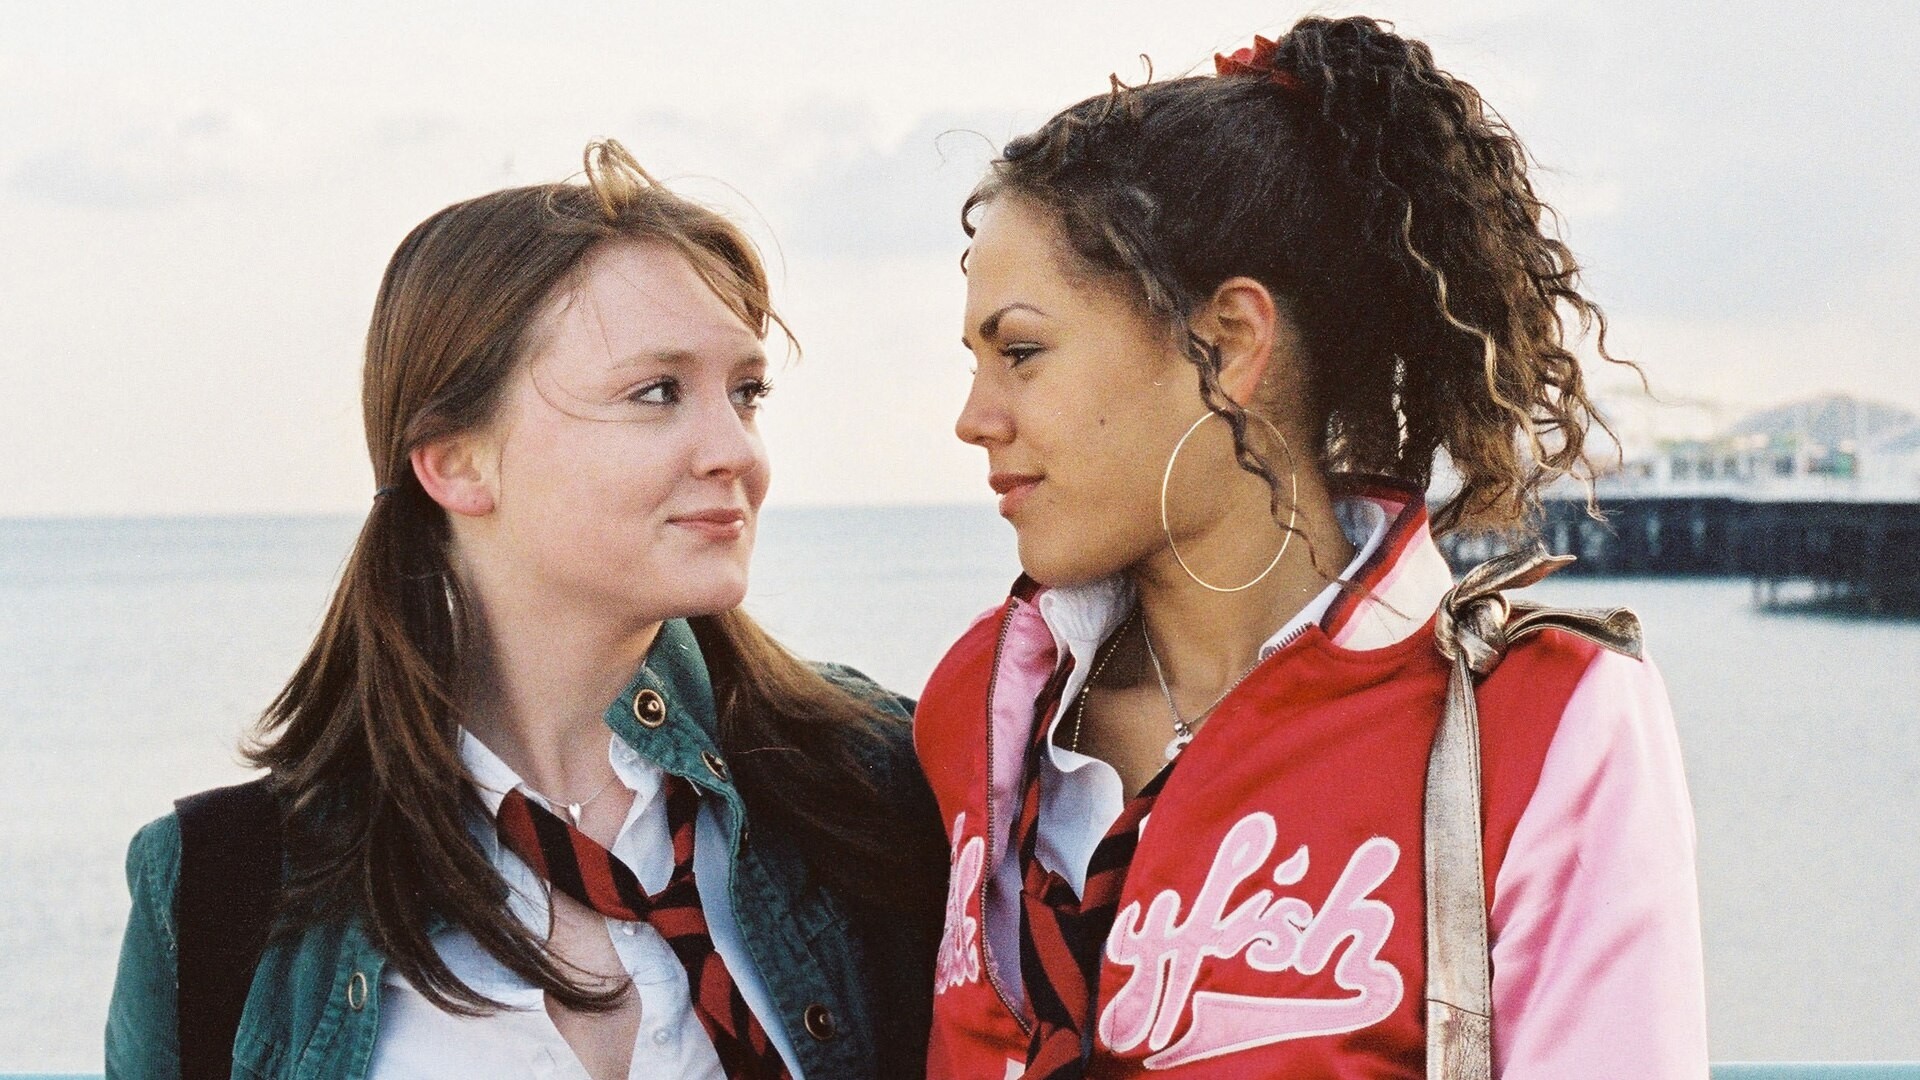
[(313, 1008)]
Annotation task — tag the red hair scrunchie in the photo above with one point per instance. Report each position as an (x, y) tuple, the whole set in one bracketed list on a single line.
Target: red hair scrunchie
[(1256, 62)]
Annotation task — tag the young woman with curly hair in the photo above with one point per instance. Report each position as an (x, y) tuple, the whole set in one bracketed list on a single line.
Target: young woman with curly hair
[(1226, 329)]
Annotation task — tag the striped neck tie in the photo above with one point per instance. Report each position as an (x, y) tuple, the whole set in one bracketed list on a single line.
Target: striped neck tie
[(1062, 935), (576, 864)]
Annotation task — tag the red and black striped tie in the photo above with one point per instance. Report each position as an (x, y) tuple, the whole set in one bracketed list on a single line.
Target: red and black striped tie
[(577, 865), (1062, 935)]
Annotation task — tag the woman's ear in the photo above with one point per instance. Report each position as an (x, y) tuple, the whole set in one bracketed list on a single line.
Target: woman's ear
[(1241, 321), (460, 472)]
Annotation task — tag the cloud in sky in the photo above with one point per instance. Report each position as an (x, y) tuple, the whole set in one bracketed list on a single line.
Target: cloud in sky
[(894, 199), (198, 155), (1765, 158), (199, 197)]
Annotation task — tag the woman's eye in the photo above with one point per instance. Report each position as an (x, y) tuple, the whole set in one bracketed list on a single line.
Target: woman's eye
[(749, 394), (1019, 353), (663, 392)]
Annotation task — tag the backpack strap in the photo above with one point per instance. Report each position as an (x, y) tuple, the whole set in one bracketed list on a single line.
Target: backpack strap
[(230, 867), (1473, 629)]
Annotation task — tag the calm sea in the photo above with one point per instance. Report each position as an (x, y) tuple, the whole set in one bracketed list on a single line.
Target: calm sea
[(132, 653)]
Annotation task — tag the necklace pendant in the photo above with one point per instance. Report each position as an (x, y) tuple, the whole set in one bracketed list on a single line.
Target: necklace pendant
[(1176, 744), (573, 811)]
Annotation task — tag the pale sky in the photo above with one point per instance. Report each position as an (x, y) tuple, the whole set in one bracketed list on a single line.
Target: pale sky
[(196, 200)]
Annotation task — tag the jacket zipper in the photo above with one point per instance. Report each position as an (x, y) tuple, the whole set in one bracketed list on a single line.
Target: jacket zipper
[(1291, 637), (986, 879)]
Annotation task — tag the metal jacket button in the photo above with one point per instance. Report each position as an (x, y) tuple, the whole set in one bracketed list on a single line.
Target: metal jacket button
[(649, 708), (357, 991), (714, 765), (818, 1022)]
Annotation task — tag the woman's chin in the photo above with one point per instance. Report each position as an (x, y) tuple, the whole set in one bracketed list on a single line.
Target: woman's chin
[(1058, 566), (693, 599), (721, 600)]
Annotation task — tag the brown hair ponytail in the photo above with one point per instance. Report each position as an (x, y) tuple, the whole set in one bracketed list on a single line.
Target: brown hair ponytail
[(362, 740), (1390, 212)]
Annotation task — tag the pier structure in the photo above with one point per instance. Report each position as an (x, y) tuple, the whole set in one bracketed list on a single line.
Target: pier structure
[(1863, 553), (1816, 501)]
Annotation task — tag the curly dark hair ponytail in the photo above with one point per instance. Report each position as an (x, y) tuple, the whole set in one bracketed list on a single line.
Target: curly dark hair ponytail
[(1388, 210)]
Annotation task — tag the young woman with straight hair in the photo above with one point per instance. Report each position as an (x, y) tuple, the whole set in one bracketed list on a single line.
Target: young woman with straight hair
[(550, 803), (1226, 330)]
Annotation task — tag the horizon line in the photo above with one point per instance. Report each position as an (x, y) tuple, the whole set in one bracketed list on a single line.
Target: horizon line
[(31, 518)]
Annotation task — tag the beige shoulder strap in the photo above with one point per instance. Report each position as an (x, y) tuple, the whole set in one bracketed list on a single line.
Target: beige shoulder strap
[(1474, 626)]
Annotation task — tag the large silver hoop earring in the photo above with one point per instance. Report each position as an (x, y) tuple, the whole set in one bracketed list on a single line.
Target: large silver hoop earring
[(1293, 502)]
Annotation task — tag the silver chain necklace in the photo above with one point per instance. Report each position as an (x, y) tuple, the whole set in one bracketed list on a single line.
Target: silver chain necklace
[(573, 808), (1183, 729)]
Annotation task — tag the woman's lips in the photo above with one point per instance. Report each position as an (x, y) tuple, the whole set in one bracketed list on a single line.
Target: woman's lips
[(722, 524), (1014, 488)]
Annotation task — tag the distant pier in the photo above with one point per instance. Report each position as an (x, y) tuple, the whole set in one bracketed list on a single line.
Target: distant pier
[(1844, 553), (1816, 501)]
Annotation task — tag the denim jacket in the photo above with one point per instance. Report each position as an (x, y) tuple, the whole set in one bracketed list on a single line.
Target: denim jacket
[(852, 987)]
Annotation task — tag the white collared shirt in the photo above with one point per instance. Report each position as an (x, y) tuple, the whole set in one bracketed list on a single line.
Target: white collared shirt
[(420, 1042)]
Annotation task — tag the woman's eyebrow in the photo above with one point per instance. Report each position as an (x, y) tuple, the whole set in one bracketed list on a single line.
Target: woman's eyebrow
[(668, 356), (676, 356), (990, 325)]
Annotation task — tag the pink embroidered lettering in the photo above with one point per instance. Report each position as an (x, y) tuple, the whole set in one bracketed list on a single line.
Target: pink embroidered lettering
[(1164, 954), (958, 962)]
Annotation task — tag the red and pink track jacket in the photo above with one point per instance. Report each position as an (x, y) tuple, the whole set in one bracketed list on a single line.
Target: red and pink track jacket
[(1271, 923)]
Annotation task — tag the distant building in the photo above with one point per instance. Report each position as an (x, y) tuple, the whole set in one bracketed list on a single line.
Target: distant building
[(1830, 447)]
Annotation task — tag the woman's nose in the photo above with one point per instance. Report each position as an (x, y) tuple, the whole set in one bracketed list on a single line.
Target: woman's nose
[(983, 420), (728, 445)]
